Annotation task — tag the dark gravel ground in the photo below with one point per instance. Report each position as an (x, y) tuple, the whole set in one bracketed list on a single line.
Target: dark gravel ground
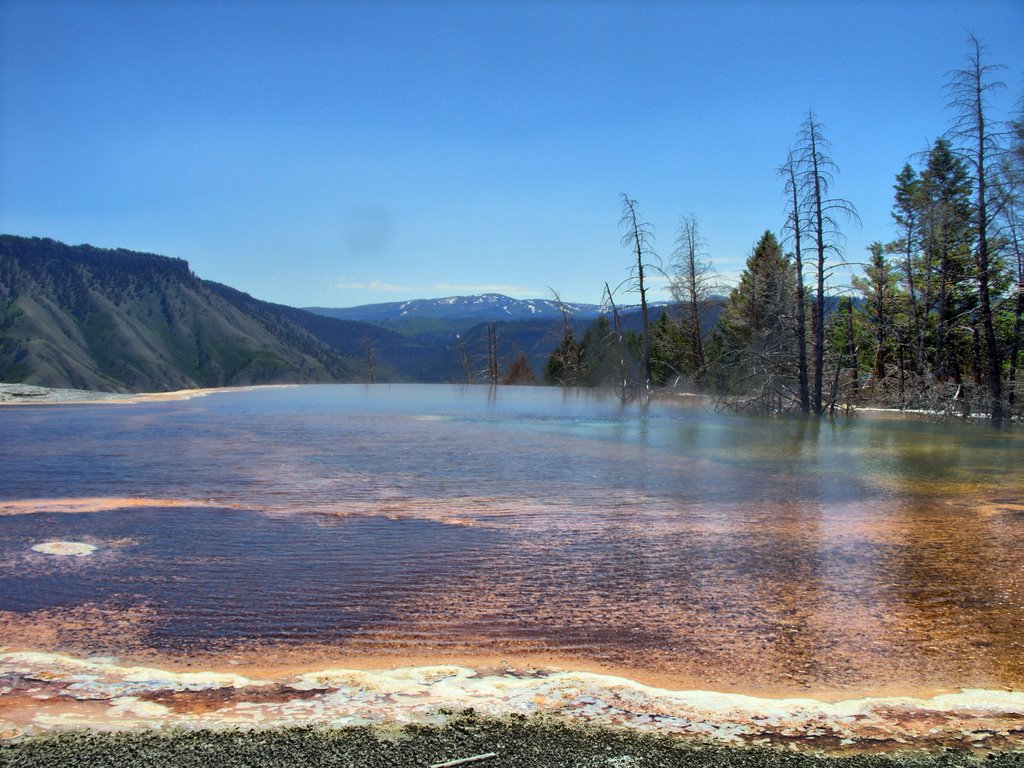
[(519, 742)]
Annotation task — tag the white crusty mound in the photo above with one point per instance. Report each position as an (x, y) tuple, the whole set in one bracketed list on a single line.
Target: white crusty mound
[(72, 548)]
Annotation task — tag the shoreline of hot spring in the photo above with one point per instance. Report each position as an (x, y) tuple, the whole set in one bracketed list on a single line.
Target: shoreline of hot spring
[(44, 694)]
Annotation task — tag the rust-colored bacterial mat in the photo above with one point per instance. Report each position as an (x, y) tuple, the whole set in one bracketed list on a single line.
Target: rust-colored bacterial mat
[(298, 527)]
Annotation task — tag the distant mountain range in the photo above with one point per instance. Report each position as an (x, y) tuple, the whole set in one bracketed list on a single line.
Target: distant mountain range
[(484, 307), (119, 320), (444, 319)]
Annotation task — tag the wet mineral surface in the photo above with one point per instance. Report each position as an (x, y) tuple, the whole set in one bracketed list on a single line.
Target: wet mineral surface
[(280, 558), (505, 743)]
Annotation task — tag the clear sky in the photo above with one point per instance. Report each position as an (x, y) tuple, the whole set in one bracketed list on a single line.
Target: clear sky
[(342, 153)]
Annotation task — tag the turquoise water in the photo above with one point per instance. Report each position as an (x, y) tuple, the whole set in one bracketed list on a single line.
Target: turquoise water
[(435, 520)]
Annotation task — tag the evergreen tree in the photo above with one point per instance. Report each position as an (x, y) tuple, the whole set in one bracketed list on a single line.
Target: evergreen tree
[(755, 340), (879, 288), (947, 231), (845, 335), (907, 214), (668, 351), (565, 365), (1011, 183), (597, 354)]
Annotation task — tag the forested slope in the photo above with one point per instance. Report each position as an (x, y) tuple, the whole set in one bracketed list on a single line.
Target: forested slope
[(90, 318)]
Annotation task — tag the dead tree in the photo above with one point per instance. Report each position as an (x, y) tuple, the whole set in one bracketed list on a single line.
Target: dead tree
[(619, 345), (568, 355), (639, 239), (492, 353), (1011, 194), (368, 344), (816, 175), (794, 225), (691, 286), (464, 358), (968, 90)]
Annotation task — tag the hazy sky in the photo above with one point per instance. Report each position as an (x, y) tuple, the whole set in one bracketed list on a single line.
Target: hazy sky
[(341, 153)]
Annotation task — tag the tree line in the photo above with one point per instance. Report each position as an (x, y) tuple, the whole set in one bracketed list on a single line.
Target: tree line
[(933, 320)]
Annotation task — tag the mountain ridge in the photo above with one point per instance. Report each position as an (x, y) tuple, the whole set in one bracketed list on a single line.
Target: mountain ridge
[(484, 307), (78, 316), (124, 321)]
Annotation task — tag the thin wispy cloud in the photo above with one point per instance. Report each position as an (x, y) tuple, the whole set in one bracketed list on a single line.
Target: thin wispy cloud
[(375, 285), (448, 289), (508, 290)]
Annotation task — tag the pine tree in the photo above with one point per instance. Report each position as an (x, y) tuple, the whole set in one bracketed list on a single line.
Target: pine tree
[(755, 339), (907, 214), (947, 231), (878, 286), (597, 354), (564, 366)]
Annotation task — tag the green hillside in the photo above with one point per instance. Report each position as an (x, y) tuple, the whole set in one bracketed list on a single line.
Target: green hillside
[(116, 320), (121, 321)]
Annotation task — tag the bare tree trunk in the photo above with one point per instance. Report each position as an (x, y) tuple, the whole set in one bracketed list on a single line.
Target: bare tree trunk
[(691, 289), (572, 361), (368, 343), (901, 392), (818, 173), (617, 326), (968, 89), (995, 383), (941, 347), (789, 169), (492, 352), (638, 236), (464, 357), (851, 351), (819, 239)]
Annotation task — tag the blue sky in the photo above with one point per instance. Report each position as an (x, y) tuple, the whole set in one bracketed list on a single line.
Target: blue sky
[(342, 153)]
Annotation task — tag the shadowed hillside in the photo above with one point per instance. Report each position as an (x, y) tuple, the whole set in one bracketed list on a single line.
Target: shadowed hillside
[(90, 318)]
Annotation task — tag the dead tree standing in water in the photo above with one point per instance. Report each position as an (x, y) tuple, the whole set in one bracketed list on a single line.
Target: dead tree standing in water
[(794, 224), (968, 90), (691, 286), (638, 238), (492, 352), (816, 175)]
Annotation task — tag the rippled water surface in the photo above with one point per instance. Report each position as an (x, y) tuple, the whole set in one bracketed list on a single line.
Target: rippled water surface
[(448, 522)]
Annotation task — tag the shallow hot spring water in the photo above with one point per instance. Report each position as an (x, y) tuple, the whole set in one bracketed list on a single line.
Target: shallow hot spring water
[(512, 533)]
